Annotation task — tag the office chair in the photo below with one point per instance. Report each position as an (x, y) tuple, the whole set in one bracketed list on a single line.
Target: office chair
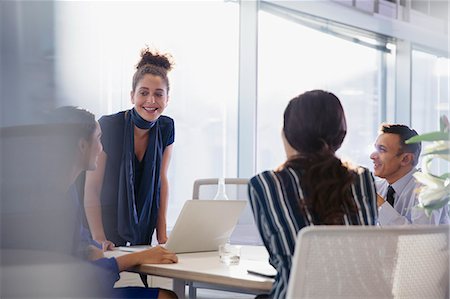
[(370, 262), (236, 188)]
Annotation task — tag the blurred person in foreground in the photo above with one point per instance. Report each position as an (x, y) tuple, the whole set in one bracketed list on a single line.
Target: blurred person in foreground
[(43, 241)]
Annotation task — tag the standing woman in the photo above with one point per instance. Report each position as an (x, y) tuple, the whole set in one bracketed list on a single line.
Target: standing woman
[(126, 197), (313, 187)]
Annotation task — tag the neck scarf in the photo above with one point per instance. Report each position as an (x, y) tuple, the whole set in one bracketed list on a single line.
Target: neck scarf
[(137, 228), (139, 121)]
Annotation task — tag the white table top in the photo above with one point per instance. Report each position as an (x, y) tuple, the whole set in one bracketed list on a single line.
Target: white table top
[(206, 267)]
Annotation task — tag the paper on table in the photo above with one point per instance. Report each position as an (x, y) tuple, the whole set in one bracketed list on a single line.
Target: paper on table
[(135, 248)]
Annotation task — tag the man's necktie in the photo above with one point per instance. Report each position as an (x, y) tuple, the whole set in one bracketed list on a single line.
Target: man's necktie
[(390, 195)]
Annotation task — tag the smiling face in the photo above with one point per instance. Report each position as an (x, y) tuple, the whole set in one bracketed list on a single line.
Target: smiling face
[(150, 97), (389, 161)]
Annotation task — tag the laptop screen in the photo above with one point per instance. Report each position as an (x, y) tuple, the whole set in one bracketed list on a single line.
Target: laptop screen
[(204, 224)]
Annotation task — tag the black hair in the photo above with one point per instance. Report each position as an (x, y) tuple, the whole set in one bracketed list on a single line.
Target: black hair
[(75, 121)]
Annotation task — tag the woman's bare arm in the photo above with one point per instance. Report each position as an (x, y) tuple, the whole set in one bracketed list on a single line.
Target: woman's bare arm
[(92, 206), (154, 255), (161, 225)]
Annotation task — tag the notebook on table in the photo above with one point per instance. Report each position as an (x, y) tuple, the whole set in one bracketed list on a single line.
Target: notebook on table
[(201, 226)]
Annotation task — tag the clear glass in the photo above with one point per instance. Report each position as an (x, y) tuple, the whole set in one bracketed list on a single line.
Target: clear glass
[(221, 192), (98, 46), (294, 59), (229, 254)]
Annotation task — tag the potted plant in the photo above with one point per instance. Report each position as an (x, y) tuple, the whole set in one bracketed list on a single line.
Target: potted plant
[(434, 192)]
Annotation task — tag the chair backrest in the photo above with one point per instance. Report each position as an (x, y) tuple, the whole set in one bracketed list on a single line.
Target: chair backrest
[(371, 262), (35, 212), (246, 231), (236, 188)]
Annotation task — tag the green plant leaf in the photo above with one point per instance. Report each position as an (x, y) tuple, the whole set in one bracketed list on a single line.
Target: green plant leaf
[(445, 176), (428, 179), (437, 145), (437, 204), (426, 163), (444, 157), (438, 152), (435, 190), (432, 136)]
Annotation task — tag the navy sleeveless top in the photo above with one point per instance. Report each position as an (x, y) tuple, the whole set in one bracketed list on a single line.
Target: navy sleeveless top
[(112, 140)]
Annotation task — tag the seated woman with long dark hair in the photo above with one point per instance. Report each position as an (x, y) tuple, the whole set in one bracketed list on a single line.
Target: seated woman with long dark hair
[(81, 150), (313, 186)]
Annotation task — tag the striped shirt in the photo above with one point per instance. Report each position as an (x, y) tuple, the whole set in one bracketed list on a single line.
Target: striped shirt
[(274, 198)]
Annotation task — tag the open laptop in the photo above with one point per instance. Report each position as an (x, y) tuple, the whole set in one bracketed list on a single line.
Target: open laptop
[(202, 226)]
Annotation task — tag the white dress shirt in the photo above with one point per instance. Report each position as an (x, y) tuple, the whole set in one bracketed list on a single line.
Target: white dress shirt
[(405, 210)]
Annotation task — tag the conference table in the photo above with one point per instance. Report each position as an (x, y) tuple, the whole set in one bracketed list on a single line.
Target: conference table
[(204, 269)]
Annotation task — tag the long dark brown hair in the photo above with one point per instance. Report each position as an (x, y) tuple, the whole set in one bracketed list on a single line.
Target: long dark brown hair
[(315, 126)]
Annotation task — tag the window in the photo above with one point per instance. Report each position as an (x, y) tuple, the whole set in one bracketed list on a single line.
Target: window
[(430, 90), (97, 46), (430, 96), (293, 59)]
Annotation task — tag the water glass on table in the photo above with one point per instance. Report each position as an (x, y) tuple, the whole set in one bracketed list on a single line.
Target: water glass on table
[(229, 254)]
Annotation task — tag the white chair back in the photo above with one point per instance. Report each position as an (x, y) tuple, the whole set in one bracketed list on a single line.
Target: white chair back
[(371, 262), (235, 188)]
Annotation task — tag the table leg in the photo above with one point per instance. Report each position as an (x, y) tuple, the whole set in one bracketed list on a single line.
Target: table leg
[(179, 288), (192, 291)]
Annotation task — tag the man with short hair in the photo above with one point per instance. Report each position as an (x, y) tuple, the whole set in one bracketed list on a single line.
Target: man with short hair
[(394, 162)]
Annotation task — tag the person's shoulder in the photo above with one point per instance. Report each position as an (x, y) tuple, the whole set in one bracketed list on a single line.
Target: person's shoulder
[(366, 178), (112, 119), (361, 170), (165, 121), (412, 172), (259, 183), (410, 182), (263, 174), (262, 177), (357, 170), (167, 129)]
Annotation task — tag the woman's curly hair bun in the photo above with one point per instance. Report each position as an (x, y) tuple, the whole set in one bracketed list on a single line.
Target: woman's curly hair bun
[(155, 58)]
